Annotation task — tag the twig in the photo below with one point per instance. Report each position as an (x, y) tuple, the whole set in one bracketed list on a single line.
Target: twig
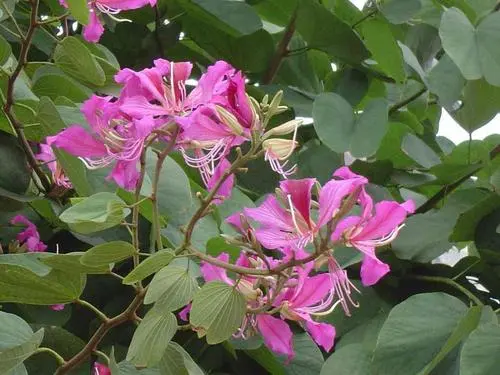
[(60, 360), (92, 308), (407, 101), (128, 315), (159, 43), (9, 100), (450, 282), (281, 51), (364, 18)]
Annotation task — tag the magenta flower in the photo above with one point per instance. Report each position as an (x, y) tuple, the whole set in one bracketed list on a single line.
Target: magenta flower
[(100, 369), (115, 138), (58, 307), (94, 30), (47, 156), (277, 334), (30, 236)]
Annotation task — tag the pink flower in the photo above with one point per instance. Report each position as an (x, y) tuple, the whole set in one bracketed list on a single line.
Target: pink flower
[(115, 138), (292, 225), (30, 236), (58, 307), (277, 334), (47, 156), (183, 314), (94, 30), (100, 369)]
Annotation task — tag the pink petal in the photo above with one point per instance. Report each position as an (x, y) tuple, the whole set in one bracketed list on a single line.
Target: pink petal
[(372, 270), (276, 334), (300, 194), (347, 223), (322, 333), (100, 369), (226, 187), (77, 141), (204, 125), (311, 290), (346, 173), (94, 30), (58, 307), (273, 238), (270, 213), (183, 314), (388, 216), (125, 174), (138, 106), (125, 4), (211, 272)]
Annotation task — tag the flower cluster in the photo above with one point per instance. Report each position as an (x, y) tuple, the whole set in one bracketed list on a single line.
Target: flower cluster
[(29, 237), (155, 106), (304, 234), (93, 31)]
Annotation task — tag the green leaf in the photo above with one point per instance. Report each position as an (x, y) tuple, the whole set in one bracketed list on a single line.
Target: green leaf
[(418, 150), (171, 288), (481, 103), (409, 340), (150, 265), (151, 338), (14, 175), (71, 262), (73, 57), (79, 10), (5, 50), (217, 311), (323, 30), (218, 245), (474, 50), (318, 161), (30, 261), (95, 213), (235, 17), (479, 354), (176, 361), (106, 253), (351, 359), (53, 85), (308, 360), (17, 341), (17, 284), (446, 81), (52, 122), (380, 41), (361, 136), (400, 11)]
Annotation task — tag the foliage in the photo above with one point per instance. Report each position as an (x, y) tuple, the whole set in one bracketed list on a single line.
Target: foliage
[(134, 232)]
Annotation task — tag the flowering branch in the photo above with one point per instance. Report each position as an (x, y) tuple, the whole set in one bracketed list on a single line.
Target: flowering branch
[(9, 100)]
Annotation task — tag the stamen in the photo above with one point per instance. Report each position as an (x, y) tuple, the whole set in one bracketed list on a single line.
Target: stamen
[(292, 211)]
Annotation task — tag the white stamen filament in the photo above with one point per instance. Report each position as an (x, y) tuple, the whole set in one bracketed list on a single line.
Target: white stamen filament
[(292, 212)]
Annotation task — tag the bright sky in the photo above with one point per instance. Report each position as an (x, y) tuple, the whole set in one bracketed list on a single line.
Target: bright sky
[(447, 126)]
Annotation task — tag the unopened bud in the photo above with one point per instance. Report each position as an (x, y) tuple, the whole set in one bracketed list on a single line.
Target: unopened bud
[(273, 106), (265, 100), (230, 120), (280, 149), (286, 128), (246, 288)]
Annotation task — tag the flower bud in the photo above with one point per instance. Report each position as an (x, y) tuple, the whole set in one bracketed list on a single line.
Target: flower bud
[(246, 288), (230, 120), (279, 148), (286, 128)]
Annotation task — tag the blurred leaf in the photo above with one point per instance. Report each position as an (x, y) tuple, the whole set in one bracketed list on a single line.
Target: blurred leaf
[(151, 338), (171, 288), (479, 354), (14, 175), (5, 50), (473, 49), (400, 11), (148, 266), (318, 161), (176, 361), (95, 213), (416, 149), (71, 262), (106, 253), (30, 261), (79, 10), (446, 81), (349, 360), (17, 284), (409, 340), (217, 311)]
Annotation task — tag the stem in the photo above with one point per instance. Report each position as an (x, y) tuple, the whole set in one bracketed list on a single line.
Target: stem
[(14, 21), (453, 284), (396, 107), (135, 210), (364, 18), (102, 355), (92, 308), (281, 51), (128, 315), (60, 360), (9, 101)]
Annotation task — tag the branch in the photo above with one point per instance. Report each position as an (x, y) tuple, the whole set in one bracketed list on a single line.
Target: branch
[(281, 51), (9, 100), (448, 189), (453, 284), (92, 308), (128, 315), (396, 107)]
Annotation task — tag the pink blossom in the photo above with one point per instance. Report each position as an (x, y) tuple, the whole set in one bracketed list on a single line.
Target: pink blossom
[(100, 369), (115, 138), (47, 156), (57, 307), (183, 314), (277, 334), (30, 236)]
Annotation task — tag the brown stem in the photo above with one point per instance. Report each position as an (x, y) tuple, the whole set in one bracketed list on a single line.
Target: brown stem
[(407, 101), (128, 315), (281, 51), (9, 100), (448, 189)]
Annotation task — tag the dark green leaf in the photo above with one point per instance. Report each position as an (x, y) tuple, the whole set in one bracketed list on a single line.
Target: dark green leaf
[(72, 263), (5, 50), (176, 361), (416, 149), (148, 266), (349, 360), (106, 253), (79, 10), (400, 11), (480, 351)]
